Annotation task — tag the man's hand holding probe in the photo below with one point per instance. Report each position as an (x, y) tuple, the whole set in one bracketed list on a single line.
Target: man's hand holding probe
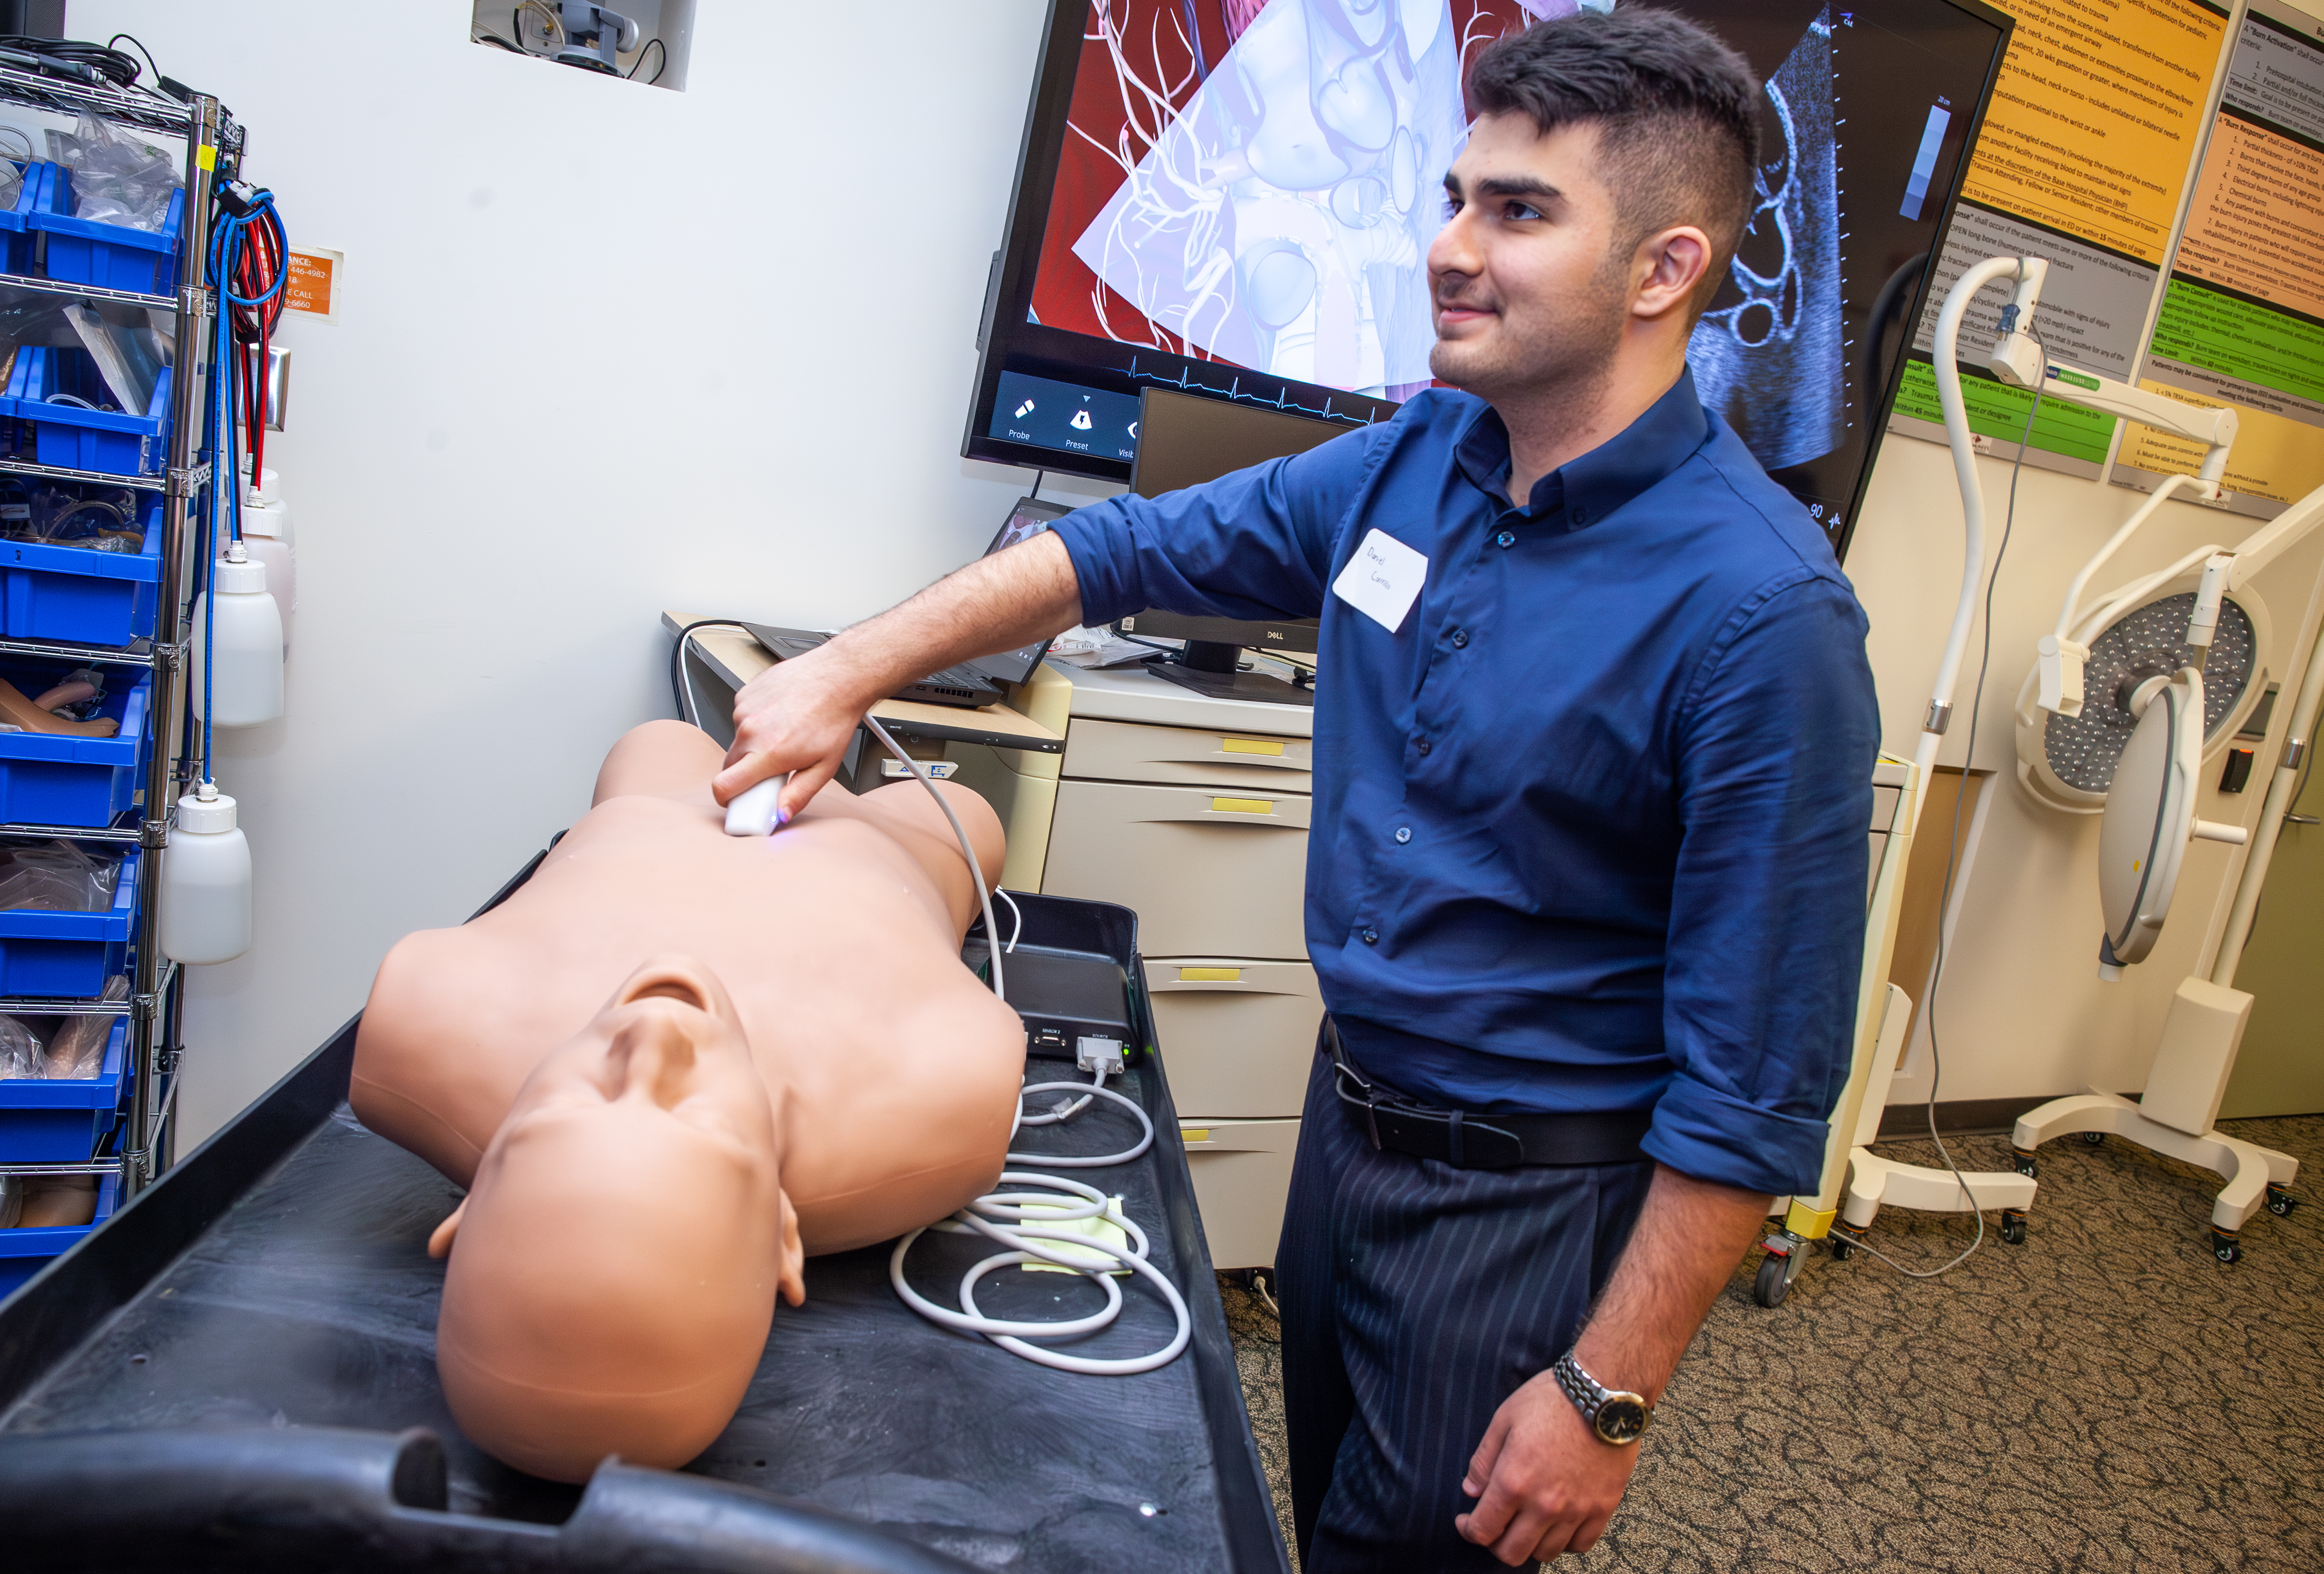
[(798, 715)]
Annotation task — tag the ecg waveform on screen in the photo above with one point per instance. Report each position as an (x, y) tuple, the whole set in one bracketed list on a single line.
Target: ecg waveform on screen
[(1234, 391)]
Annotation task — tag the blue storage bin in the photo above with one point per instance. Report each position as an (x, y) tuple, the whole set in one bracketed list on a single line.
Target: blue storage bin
[(69, 955), (52, 592), (25, 1251), (16, 224), (113, 441), (61, 1121), (114, 256), (50, 778)]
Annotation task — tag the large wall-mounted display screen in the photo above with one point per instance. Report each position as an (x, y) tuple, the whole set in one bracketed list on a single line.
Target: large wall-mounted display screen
[(1236, 198)]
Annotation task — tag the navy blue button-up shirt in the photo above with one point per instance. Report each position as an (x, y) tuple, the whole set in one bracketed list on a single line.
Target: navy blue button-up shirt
[(1589, 831)]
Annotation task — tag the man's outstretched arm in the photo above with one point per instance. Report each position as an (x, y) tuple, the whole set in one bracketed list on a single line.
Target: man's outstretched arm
[(798, 715), (1545, 1482)]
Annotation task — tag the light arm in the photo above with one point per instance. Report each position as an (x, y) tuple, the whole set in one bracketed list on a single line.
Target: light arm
[(2018, 359)]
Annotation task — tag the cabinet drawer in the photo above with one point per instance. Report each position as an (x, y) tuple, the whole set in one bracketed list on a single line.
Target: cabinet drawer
[(1237, 1036), (1242, 1178), (1208, 873), (1122, 751)]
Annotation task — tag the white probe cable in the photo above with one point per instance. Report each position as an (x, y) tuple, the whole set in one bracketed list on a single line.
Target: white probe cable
[(1002, 1216)]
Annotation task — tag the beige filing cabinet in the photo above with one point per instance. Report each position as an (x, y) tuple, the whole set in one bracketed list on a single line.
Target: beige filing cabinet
[(1193, 812)]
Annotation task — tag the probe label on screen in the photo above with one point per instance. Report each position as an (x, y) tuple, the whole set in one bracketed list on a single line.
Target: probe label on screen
[(1383, 579)]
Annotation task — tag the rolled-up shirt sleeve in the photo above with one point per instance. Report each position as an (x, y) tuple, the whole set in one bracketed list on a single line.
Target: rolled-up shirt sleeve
[(1775, 750), (1254, 544)]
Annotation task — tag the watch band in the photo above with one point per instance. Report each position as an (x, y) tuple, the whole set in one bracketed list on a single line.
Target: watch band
[(1618, 1417)]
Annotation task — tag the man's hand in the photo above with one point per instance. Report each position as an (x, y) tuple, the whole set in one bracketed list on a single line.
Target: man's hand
[(798, 715), (1546, 1484)]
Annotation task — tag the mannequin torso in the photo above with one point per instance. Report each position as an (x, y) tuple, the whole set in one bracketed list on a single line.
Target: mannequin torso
[(838, 939)]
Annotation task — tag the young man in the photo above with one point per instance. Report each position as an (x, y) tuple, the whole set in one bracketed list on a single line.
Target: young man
[(1585, 887)]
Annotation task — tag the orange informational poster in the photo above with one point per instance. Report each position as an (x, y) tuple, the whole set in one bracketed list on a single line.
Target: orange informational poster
[(2096, 116), (312, 287), (2086, 153), (2243, 310), (2257, 221)]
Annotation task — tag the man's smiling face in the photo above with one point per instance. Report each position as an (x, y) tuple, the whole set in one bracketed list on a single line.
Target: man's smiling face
[(1528, 291)]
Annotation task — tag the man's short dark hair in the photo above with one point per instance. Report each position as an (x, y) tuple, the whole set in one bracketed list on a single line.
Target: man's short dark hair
[(1677, 112)]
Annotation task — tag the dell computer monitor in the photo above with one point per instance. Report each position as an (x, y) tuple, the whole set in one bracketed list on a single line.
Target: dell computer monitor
[(1184, 440), (1238, 200)]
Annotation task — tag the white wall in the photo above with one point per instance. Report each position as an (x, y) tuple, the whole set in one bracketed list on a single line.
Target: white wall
[(603, 349)]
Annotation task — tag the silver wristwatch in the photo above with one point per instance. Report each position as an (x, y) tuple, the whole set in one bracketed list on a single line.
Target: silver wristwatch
[(1617, 1417)]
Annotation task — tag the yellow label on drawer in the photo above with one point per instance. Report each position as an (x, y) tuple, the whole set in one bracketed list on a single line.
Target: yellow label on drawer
[(1251, 747), (1194, 1134), (1242, 806), (1210, 975)]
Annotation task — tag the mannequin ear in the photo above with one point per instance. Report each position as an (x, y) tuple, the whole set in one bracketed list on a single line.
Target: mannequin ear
[(439, 1244), (793, 1265)]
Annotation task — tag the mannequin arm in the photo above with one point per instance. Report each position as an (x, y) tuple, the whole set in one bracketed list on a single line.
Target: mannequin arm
[(798, 715)]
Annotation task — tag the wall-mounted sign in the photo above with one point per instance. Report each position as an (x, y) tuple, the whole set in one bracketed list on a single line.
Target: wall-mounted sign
[(313, 286)]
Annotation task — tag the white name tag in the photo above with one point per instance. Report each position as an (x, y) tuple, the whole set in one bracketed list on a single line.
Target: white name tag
[(1382, 581)]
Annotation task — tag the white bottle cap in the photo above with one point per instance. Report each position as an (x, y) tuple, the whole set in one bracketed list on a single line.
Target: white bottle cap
[(240, 577), (264, 517), (206, 816)]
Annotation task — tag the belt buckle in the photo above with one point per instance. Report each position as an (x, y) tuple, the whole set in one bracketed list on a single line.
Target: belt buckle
[(1343, 1073)]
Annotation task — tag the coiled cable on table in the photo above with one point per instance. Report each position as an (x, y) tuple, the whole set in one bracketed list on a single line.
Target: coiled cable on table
[(1040, 1236)]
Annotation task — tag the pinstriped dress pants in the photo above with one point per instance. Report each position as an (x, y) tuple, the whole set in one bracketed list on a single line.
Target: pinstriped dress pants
[(1415, 1297)]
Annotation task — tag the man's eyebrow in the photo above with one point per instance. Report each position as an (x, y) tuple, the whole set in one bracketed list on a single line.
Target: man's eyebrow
[(1525, 186)]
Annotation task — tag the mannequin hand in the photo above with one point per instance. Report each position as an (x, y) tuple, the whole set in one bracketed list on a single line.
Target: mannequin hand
[(1546, 1484), (798, 715)]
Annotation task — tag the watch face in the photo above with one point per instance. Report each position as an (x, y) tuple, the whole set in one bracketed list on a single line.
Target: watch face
[(1622, 1418)]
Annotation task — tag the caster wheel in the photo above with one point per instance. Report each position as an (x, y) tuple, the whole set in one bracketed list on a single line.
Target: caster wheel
[(1842, 1248), (1772, 1285), (2025, 1165), (2224, 1249), (2280, 1200), (2013, 1230), (2093, 1139)]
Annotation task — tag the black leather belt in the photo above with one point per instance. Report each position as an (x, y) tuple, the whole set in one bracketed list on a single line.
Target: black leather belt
[(1479, 1142)]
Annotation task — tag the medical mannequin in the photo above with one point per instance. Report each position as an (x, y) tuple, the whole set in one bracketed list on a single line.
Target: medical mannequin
[(575, 1056)]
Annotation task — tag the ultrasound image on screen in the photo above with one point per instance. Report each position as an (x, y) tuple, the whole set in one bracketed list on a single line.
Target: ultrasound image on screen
[(1770, 362)]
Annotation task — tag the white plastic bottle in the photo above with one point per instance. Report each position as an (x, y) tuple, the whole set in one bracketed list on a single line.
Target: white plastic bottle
[(248, 688), (262, 536), (205, 912)]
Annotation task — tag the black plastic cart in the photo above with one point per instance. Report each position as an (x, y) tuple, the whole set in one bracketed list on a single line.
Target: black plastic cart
[(238, 1370)]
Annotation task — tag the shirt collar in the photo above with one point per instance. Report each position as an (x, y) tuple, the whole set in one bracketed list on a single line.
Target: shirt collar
[(1591, 486)]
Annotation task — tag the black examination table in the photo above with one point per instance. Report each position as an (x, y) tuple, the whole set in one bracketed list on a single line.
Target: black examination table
[(238, 1371)]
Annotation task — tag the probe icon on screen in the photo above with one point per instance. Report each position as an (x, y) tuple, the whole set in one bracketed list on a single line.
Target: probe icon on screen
[(1025, 409)]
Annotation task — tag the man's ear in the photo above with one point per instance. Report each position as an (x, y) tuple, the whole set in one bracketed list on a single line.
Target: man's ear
[(1672, 263), (439, 1244), (792, 1265)]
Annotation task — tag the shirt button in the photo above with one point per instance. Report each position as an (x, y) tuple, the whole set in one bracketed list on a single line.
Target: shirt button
[(1581, 516), (1404, 833), (1460, 639), (1371, 937), (1508, 538), (1422, 746)]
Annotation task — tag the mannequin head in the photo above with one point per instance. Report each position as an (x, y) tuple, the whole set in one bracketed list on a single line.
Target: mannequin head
[(614, 1268)]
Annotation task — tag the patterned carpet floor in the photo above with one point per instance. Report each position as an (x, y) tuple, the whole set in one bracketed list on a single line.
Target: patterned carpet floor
[(2106, 1399)]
